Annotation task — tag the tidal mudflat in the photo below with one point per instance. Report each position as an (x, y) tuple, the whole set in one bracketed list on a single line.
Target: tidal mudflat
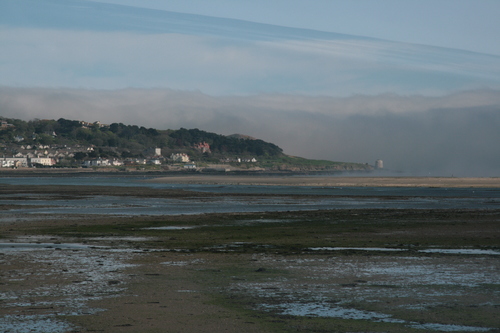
[(315, 270)]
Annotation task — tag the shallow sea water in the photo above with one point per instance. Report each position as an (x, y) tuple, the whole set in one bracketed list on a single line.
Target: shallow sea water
[(319, 198), (431, 250), (82, 274), (335, 285), (347, 287), (133, 206)]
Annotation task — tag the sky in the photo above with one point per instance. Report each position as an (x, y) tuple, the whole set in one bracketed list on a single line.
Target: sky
[(461, 24), (414, 83)]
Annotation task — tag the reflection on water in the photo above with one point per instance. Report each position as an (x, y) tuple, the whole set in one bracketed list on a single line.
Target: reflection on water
[(57, 283), (262, 189), (378, 288), (120, 205), (285, 198), (40, 246), (169, 228), (329, 311), (385, 249)]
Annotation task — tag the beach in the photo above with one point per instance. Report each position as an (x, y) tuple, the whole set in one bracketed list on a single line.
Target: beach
[(297, 180), (294, 269)]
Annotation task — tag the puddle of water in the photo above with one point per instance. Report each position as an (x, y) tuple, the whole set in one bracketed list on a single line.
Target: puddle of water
[(461, 251), (171, 228), (33, 323), (183, 263), (41, 246), (326, 287), (382, 249), (328, 311), (266, 221), (85, 276), (175, 263), (450, 328), (117, 238), (324, 310)]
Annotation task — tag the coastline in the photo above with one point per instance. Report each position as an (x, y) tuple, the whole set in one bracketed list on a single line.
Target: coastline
[(266, 179), (335, 181)]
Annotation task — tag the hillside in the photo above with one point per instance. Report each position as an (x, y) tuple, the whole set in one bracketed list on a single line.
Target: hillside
[(129, 139), (72, 142)]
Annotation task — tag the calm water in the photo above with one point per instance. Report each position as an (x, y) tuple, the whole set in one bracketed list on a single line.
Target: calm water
[(318, 198)]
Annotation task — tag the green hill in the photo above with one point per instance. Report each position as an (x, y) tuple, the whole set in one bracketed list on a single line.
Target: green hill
[(131, 138), (117, 140)]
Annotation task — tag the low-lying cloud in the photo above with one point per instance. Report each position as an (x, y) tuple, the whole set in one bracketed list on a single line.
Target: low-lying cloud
[(456, 134)]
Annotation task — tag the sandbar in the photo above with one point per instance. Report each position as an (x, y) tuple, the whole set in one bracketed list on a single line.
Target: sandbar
[(228, 179)]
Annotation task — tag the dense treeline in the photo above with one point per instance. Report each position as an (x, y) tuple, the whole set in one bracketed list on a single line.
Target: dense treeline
[(223, 144), (131, 137)]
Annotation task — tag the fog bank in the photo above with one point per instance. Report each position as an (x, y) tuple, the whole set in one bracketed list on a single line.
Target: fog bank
[(456, 134)]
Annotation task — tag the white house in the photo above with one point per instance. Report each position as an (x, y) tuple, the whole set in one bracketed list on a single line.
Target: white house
[(13, 162), (154, 151), (154, 161), (116, 162), (95, 162), (180, 157), (42, 160)]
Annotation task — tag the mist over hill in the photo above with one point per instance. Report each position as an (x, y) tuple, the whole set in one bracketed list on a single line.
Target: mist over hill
[(447, 135)]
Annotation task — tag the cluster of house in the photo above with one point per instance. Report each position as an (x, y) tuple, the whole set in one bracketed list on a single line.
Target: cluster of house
[(203, 147), (86, 124), (102, 162), (19, 162), (44, 155), (31, 156), (180, 157), (40, 155), (239, 160), (154, 158)]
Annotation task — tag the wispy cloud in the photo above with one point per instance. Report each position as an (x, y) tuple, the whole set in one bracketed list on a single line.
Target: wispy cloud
[(453, 134), (116, 60)]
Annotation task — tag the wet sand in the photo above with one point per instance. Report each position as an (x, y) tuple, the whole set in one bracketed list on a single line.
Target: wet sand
[(330, 181), (218, 275)]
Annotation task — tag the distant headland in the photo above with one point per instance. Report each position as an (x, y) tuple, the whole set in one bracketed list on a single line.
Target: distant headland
[(75, 144)]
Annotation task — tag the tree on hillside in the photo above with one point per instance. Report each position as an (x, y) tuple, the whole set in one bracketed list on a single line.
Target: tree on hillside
[(135, 139)]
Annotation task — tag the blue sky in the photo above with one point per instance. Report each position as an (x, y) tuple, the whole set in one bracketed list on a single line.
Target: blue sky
[(414, 83), (206, 46), (471, 25)]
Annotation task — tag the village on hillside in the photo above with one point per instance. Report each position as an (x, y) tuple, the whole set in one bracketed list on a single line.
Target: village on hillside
[(78, 144), (38, 155), (43, 156)]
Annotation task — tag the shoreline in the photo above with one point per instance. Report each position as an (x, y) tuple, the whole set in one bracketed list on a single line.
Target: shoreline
[(332, 181), (270, 179)]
